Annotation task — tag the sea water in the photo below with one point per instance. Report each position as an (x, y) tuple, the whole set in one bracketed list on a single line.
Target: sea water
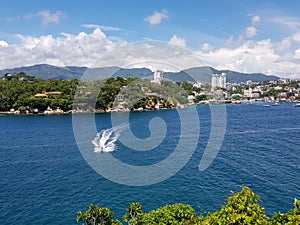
[(45, 179)]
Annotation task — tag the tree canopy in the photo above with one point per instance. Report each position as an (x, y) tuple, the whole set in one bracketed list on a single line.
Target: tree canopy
[(241, 208), (21, 92)]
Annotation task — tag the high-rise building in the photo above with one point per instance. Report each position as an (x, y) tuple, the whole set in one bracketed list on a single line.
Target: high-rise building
[(223, 80), (214, 81), (218, 81), (158, 76)]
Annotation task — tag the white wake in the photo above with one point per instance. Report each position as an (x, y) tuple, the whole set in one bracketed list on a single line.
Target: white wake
[(105, 140)]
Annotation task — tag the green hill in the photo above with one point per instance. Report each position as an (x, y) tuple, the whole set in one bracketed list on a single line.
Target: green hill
[(202, 74)]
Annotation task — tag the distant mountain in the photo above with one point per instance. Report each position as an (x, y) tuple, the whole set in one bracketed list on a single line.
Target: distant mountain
[(236, 77), (49, 72), (202, 74), (134, 72), (105, 72)]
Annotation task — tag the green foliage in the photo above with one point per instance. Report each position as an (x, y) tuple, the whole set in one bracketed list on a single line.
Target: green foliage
[(238, 90), (200, 98), (290, 218), (134, 210), (96, 216), (271, 92), (104, 91), (189, 88), (146, 94), (18, 90), (17, 76), (109, 90), (22, 108), (242, 208), (176, 214), (151, 103)]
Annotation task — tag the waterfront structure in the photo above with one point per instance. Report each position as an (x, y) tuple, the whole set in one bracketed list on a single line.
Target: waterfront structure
[(218, 81)]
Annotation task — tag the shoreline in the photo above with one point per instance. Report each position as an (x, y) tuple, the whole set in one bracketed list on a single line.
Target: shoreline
[(81, 112), (203, 103)]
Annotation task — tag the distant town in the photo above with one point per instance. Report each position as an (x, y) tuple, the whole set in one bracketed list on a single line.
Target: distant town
[(23, 94), (282, 90)]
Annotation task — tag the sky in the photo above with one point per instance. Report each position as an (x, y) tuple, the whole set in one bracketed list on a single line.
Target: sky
[(252, 36)]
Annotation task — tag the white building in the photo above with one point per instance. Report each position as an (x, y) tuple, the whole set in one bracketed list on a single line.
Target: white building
[(249, 82), (218, 80), (191, 99), (197, 85), (251, 93), (158, 76)]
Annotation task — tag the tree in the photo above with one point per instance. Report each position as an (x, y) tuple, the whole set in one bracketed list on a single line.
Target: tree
[(96, 216), (175, 214), (241, 208), (290, 218), (22, 109), (133, 211), (200, 98)]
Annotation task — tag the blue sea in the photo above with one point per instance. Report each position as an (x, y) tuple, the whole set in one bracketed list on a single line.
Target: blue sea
[(45, 178)]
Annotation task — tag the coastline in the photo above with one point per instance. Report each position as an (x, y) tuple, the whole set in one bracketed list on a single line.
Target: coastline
[(82, 112), (203, 103)]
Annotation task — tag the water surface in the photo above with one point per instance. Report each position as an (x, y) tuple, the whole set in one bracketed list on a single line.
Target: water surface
[(45, 180)]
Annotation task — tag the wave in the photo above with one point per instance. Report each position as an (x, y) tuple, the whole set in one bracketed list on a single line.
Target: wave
[(265, 130), (105, 140)]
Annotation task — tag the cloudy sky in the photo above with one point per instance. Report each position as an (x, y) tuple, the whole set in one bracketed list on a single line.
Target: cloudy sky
[(246, 36)]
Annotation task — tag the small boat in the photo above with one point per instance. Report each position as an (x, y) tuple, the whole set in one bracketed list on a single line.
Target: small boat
[(275, 104), (297, 104), (266, 105)]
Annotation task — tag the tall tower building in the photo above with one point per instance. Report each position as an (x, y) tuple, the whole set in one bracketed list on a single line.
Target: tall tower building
[(214, 81), (218, 81), (223, 80), (158, 76)]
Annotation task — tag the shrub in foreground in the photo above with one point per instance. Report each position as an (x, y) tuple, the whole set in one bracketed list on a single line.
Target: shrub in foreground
[(241, 208)]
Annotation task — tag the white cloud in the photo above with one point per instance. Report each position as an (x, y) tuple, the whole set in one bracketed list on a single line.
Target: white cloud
[(151, 54), (229, 41), (251, 32), (255, 20), (157, 17), (47, 17), (256, 56), (83, 49), (104, 28), (93, 49), (249, 57), (206, 48), (175, 40), (3, 44), (296, 37), (297, 54), (284, 46)]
